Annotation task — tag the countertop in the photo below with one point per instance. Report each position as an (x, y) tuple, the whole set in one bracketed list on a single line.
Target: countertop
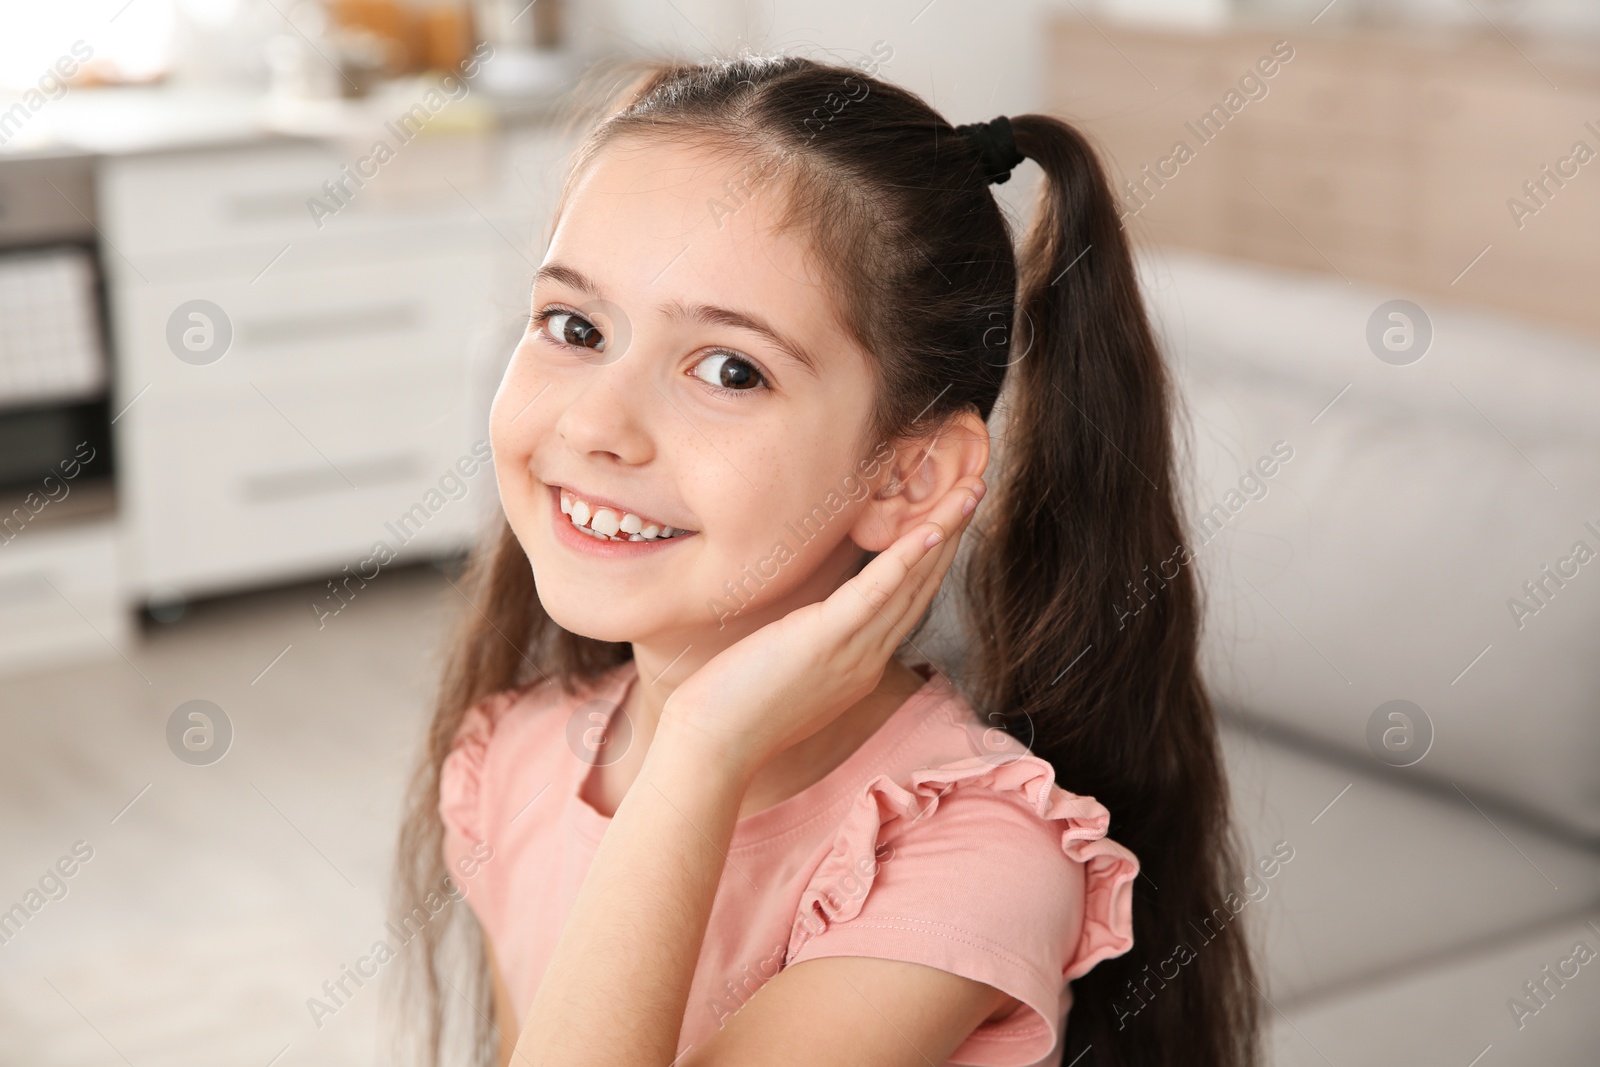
[(126, 120)]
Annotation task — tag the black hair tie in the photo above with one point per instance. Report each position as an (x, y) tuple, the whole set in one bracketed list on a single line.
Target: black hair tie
[(996, 147)]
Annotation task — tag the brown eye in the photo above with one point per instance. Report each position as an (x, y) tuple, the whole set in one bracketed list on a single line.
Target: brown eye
[(729, 373), (574, 330)]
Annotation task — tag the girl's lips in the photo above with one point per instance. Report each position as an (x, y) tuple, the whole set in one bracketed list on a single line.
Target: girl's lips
[(575, 539)]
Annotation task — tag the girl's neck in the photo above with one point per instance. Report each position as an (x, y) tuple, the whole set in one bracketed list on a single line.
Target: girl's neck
[(787, 773)]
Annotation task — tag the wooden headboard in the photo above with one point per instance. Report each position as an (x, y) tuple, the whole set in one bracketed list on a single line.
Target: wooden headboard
[(1466, 169)]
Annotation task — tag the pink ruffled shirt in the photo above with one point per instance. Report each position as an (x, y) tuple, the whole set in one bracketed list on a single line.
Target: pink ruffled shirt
[(924, 845)]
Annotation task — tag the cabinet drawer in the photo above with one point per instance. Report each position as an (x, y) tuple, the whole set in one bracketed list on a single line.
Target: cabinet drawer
[(302, 326), (265, 195), (254, 487)]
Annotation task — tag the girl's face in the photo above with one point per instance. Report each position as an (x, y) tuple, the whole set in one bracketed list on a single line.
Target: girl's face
[(684, 363)]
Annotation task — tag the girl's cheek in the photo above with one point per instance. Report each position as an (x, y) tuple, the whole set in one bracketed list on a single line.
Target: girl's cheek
[(510, 413), (500, 436)]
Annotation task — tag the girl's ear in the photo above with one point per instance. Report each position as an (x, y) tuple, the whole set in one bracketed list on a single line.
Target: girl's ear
[(922, 471)]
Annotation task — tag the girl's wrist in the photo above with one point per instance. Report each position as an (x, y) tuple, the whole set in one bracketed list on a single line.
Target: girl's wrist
[(680, 747)]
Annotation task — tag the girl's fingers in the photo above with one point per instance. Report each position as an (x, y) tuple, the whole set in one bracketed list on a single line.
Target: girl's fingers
[(886, 589), (935, 560), (926, 577)]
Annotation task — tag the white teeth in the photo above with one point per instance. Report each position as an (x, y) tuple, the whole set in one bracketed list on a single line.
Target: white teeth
[(607, 524)]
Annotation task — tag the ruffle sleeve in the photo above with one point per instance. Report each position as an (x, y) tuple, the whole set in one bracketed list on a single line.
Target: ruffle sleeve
[(461, 776), (955, 866)]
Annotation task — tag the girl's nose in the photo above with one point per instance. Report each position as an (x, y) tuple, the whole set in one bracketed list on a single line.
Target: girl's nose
[(608, 407)]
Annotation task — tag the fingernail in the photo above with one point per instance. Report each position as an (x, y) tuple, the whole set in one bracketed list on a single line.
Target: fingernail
[(933, 539), (972, 502)]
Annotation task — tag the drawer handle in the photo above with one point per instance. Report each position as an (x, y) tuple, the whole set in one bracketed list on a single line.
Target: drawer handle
[(298, 329), (310, 481)]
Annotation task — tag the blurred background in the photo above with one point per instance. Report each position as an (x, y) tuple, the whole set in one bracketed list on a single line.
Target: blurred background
[(263, 261)]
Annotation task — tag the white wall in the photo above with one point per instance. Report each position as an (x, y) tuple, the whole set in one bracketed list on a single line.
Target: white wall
[(971, 60)]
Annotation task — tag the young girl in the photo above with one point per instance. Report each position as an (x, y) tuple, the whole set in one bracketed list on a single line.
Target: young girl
[(705, 797)]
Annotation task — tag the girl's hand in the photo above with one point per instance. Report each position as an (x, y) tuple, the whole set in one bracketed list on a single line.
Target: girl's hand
[(789, 679)]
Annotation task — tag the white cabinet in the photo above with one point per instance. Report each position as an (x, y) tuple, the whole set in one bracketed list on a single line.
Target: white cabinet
[(59, 596), (347, 394)]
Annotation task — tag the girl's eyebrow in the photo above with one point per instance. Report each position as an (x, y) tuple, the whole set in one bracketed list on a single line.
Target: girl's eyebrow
[(676, 309)]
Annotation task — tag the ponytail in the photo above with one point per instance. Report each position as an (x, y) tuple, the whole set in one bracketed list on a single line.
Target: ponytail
[(1084, 619)]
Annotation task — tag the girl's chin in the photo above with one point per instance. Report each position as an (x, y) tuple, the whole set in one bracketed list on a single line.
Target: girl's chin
[(588, 612), (596, 630)]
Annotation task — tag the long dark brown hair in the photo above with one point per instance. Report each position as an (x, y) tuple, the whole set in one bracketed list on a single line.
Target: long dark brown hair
[(1081, 513)]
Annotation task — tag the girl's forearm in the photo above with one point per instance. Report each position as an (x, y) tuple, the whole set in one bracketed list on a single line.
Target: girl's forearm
[(618, 982)]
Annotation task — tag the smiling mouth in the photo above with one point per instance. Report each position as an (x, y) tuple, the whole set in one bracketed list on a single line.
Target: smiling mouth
[(605, 523)]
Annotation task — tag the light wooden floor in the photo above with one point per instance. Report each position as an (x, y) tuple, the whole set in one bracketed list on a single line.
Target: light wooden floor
[(221, 898)]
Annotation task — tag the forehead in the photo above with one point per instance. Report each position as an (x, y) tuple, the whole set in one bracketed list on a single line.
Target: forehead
[(654, 220)]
